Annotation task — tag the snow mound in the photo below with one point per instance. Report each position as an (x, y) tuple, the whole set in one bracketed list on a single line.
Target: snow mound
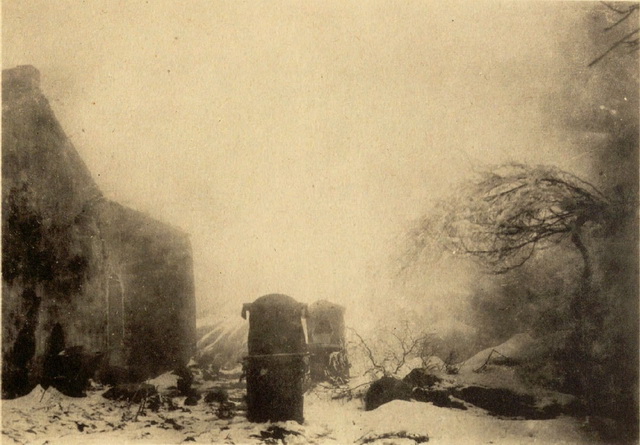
[(165, 381), (38, 397), (401, 419), (517, 348)]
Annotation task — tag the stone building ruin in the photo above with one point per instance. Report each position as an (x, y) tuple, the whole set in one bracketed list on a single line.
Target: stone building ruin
[(102, 278)]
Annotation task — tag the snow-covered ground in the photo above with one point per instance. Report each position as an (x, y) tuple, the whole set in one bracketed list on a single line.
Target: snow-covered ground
[(52, 418)]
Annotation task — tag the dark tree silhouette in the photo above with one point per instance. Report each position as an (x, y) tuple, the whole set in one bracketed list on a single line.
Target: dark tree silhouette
[(510, 211), (507, 214)]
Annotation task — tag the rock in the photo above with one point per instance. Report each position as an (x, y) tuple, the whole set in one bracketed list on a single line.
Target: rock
[(439, 397), (510, 379), (275, 434), (112, 375), (410, 365), (185, 380), (421, 377), (134, 392), (426, 388), (384, 391), (76, 368), (226, 410), (192, 400), (216, 395), (496, 390), (157, 401), (506, 403)]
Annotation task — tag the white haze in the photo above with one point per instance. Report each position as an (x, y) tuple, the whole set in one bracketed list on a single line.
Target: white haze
[(297, 141)]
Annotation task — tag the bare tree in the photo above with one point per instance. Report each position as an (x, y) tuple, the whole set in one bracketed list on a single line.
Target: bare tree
[(510, 212), (393, 349)]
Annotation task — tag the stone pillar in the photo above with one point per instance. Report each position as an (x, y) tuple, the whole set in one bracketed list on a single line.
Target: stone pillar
[(275, 367), (328, 359)]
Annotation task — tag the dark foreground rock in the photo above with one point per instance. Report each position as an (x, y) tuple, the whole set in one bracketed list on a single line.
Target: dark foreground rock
[(384, 391), (439, 397), (428, 387), (69, 370), (506, 403), (132, 392), (192, 400), (275, 434), (421, 378), (218, 395)]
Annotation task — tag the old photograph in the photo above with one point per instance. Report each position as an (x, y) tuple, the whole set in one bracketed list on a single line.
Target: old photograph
[(320, 222)]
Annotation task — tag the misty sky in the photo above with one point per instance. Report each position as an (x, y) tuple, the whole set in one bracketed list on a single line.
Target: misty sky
[(296, 141)]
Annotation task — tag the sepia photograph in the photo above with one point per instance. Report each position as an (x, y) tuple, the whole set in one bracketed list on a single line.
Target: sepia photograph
[(320, 222)]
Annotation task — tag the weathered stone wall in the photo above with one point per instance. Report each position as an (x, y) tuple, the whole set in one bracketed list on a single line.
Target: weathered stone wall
[(150, 292), (117, 281)]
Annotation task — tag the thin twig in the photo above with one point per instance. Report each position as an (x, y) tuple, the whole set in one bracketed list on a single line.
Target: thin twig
[(614, 46), (619, 11), (142, 403), (43, 393), (624, 17), (489, 358), (369, 352)]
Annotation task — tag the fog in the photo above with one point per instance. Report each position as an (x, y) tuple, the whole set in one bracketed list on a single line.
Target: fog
[(297, 142)]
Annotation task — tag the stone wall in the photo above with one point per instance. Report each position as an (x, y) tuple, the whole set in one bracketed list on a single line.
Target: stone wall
[(118, 282)]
